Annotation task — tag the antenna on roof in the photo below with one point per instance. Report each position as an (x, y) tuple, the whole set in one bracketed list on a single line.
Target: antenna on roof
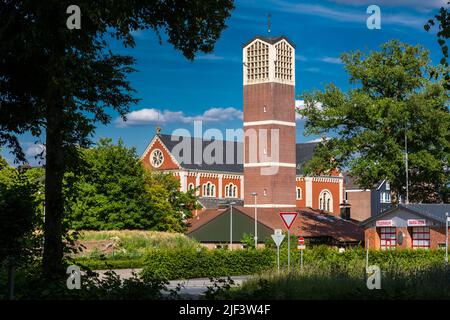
[(268, 23)]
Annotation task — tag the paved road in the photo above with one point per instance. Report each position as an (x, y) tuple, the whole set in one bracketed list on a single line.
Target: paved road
[(190, 287)]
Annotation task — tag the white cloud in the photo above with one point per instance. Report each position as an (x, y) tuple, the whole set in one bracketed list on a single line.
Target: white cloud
[(211, 57), (331, 60), (299, 57), (318, 139), (313, 70), (155, 116), (415, 4), (300, 105), (34, 150), (347, 15)]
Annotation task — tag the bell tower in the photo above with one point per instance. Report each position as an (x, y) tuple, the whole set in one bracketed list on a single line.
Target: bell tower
[(269, 122)]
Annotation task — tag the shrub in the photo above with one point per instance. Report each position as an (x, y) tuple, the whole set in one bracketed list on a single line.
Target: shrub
[(185, 264)]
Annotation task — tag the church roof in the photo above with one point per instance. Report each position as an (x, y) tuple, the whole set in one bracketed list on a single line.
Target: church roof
[(304, 152), (271, 40)]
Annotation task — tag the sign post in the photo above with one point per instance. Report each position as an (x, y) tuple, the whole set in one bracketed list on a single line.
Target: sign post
[(288, 219), (278, 239), (301, 246)]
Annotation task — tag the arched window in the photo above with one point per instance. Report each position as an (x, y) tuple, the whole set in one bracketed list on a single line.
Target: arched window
[(191, 186), (209, 190), (298, 193), (231, 191), (326, 201)]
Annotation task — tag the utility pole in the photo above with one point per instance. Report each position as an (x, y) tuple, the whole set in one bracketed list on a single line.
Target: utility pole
[(406, 168), (231, 225)]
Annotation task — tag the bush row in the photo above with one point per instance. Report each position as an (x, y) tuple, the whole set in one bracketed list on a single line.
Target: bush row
[(186, 264), (106, 264)]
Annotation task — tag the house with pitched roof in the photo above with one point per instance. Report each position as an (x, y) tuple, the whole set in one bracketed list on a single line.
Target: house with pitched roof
[(408, 226)]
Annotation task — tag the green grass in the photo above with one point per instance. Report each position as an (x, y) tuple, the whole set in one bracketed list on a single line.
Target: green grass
[(405, 274), (131, 246), (136, 240)]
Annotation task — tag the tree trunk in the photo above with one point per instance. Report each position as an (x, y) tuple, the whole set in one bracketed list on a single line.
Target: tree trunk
[(54, 201)]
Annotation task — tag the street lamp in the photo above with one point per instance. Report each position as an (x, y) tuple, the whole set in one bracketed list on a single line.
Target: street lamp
[(254, 194), (231, 224)]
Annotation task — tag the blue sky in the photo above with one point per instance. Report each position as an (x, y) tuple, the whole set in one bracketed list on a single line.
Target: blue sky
[(178, 91)]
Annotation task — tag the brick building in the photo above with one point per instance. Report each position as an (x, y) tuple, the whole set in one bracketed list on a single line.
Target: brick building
[(266, 169), (408, 226), (365, 203)]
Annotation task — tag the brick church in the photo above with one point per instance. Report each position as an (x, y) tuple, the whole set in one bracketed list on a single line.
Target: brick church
[(265, 171)]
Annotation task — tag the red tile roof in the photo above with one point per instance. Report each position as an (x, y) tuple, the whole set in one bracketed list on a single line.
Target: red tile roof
[(309, 222)]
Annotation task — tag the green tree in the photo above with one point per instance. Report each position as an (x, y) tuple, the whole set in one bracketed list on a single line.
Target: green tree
[(443, 33), (392, 97), (57, 82), (3, 163), (19, 214), (114, 191)]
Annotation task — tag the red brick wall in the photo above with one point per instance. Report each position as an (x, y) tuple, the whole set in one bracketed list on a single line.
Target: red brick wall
[(373, 237), (214, 181), (279, 101), (189, 180), (360, 203), (276, 97), (333, 187), (437, 235), (168, 162), (301, 203), (236, 182)]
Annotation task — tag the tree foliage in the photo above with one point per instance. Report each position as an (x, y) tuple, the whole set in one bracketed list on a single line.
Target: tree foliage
[(392, 97), (114, 191), (443, 33), (20, 215), (58, 83)]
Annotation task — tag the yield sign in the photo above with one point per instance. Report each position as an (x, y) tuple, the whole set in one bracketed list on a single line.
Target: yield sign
[(277, 238), (288, 218)]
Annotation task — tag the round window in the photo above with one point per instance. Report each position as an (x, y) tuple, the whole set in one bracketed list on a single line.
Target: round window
[(156, 158)]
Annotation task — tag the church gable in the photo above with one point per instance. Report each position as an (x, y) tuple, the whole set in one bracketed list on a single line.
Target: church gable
[(158, 157)]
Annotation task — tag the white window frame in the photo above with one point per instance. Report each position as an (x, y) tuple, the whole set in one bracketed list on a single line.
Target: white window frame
[(208, 189), (231, 190), (420, 237), (326, 200), (388, 238), (385, 197), (298, 193)]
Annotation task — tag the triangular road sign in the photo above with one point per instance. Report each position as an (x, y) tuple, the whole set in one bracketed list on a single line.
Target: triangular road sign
[(288, 218), (278, 238)]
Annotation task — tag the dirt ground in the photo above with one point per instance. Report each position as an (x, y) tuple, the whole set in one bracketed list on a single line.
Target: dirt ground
[(102, 246)]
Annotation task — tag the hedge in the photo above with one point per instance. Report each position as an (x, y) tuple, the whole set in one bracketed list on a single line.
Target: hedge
[(106, 264), (188, 264)]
